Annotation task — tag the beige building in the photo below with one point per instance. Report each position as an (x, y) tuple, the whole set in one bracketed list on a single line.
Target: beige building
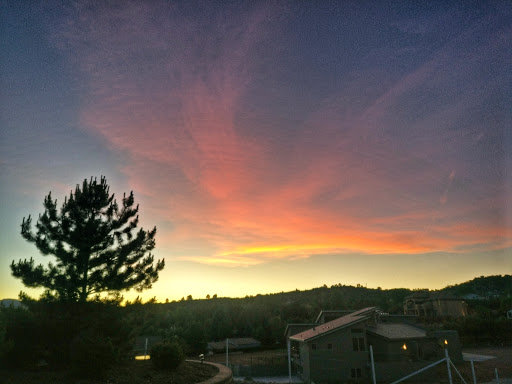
[(434, 304)]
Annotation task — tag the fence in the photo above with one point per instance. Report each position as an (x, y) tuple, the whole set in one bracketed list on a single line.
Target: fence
[(255, 366)]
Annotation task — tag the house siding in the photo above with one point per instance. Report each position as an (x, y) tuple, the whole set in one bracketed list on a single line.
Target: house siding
[(335, 364)]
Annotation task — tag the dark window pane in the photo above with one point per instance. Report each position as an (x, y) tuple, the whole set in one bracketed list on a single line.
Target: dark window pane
[(361, 344)]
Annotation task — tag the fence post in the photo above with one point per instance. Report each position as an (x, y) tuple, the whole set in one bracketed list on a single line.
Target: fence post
[(448, 365), (373, 365), (473, 371), (289, 360), (227, 352), (497, 377)]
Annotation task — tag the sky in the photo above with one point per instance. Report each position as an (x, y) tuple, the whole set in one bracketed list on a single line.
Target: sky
[(275, 145)]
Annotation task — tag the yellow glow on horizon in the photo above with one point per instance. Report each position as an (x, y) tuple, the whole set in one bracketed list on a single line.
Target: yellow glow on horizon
[(258, 254), (261, 249), (214, 260)]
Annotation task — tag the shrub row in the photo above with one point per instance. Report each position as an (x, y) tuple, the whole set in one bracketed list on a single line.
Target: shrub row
[(86, 338)]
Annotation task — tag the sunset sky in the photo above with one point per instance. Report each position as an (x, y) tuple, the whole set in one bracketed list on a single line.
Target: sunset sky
[(276, 145)]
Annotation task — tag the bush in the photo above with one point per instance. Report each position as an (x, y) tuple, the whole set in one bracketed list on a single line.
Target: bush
[(18, 338), (167, 355), (91, 355), (6, 346)]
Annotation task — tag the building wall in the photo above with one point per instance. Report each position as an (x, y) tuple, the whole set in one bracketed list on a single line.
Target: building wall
[(332, 357), (303, 369), (385, 350), (454, 346), (435, 307), (425, 349), (453, 308)]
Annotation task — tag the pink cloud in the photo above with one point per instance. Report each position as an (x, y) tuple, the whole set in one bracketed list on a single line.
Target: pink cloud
[(168, 90)]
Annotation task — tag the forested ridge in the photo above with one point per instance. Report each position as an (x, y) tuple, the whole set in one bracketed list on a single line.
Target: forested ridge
[(265, 317)]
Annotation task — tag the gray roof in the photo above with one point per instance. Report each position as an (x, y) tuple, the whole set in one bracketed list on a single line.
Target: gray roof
[(397, 331), (235, 343)]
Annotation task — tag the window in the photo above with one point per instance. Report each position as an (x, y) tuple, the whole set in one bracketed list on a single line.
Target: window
[(313, 347), (329, 346), (355, 373), (358, 344)]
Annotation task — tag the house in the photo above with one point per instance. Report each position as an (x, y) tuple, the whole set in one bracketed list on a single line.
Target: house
[(473, 296), (235, 344), (339, 350), (335, 350), (434, 304)]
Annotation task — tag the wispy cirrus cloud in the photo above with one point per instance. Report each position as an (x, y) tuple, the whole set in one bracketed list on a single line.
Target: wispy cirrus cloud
[(385, 164)]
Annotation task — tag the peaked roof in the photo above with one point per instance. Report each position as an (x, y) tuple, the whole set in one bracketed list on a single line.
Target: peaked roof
[(240, 341), (341, 322), (397, 331)]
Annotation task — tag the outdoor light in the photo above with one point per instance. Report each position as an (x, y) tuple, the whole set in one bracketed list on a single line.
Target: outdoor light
[(404, 347), (445, 342)]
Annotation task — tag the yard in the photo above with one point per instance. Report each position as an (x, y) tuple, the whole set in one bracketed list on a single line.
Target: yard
[(484, 369)]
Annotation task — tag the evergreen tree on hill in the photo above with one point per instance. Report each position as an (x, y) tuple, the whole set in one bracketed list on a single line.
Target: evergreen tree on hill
[(95, 243)]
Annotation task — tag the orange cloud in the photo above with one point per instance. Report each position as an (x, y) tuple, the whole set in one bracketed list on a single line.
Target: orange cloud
[(173, 95)]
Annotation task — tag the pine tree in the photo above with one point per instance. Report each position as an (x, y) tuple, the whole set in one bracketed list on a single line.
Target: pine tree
[(95, 243)]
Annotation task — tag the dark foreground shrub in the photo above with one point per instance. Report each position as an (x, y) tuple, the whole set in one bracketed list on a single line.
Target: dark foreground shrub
[(18, 338), (91, 355), (167, 355)]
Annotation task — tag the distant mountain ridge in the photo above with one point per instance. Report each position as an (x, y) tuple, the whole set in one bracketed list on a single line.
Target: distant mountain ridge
[(10, 302)]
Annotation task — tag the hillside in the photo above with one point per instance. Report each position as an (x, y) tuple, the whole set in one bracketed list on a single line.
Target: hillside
[(485, 286)]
